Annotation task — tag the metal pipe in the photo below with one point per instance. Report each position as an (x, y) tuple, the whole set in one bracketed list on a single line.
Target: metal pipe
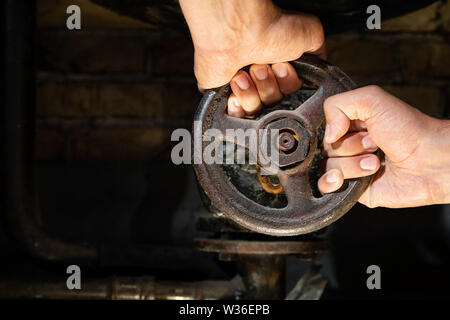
[(20, 196), (263, 276), (21, 205), (124, 288)]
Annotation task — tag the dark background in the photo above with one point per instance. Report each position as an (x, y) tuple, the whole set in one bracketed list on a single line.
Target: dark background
[(110, 94)]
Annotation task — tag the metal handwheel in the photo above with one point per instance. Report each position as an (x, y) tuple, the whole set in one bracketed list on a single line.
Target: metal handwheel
[(298, 143)]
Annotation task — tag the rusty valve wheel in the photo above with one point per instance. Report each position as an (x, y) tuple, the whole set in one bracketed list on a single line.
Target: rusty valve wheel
[(297, 143)]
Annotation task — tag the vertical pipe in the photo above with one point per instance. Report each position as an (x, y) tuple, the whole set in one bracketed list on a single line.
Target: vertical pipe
[(21, 206), (263, 276)]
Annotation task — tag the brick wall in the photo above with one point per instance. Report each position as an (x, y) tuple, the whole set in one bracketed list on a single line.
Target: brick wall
[(116, 89), (409, 57)]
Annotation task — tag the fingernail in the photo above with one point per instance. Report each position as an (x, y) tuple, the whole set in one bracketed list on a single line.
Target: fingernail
[(235, 102), (280, 70), (261, 73), (332, 177), (233, 107), (368, 143), (242, 82), (329, 134), (369, 163)]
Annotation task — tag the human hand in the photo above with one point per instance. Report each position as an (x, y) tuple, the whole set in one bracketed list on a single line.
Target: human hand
[(416, 168), (231, 34)]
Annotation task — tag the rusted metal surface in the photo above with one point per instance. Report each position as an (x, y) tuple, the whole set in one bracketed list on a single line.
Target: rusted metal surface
[(125, 288), (244, 247), (310, 286), (268, 185), (293, 140), (218, 223), (263, 276), (304, 212)]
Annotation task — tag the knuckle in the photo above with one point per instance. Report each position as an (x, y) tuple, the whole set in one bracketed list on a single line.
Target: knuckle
[(374, 90), (240, 73), (372, 102), (370, 205), (318, 37), (269, 94), (328, 104)]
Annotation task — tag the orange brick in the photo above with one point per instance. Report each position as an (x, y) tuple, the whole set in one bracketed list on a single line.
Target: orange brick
[(424, 59), (158, 100), (91, 53), (425, 19), (360, 57), (118, 144), (444, 11), (173, 57), (52, 13), (426, 99)]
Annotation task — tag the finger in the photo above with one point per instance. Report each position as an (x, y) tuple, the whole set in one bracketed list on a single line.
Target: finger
[(351, 144), (359, 104), (245, 90), (355, 167), (266, 84), (388, 119), (337, 123), (331, 181), (287, 78), (234, 107)]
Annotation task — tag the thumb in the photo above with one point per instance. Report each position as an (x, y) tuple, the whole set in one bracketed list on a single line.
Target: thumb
[(391, 123), (340, 109)]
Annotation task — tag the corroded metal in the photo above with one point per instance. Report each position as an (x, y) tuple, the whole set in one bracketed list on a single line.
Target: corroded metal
[(124, 288), (244, 247), (304, 212), (264, 277), (268, 185), (293, 141)]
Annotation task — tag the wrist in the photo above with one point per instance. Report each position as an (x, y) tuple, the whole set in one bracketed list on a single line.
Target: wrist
[(220, 25), (438, 161)]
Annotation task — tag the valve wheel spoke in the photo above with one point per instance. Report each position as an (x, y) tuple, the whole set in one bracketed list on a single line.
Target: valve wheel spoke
[(297, 190), (304, 212), (311, 111)]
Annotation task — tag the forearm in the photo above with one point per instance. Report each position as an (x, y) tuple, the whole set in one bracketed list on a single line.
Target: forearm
[(231, 34), (439, 159), (210, 20)]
